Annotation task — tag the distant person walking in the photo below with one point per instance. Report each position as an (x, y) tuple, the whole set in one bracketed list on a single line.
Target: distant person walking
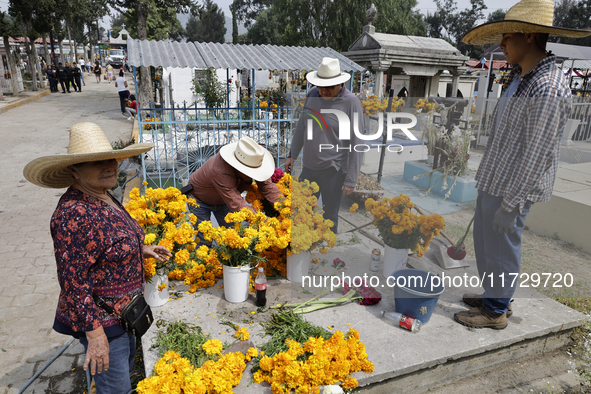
[(109, 69), (62, 76), (82, 70), (76, 73), (121, 85), (98, 70)]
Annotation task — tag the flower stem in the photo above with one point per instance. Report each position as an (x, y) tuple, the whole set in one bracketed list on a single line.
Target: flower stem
[(461, 241)]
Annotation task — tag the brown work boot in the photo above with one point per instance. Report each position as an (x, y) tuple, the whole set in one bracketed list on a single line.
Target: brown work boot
[(480, 317), (474, 299)]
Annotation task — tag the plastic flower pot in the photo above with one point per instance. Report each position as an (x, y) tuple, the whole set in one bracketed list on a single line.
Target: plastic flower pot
[(236, 283), (416, 293)]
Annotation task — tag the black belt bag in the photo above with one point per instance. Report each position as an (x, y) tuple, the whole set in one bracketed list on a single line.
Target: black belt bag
[(136, 317)]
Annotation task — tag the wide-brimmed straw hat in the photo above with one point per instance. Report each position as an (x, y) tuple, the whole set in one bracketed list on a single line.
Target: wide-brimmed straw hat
[(88, 142), (328, 74), (249, 158), (527, 16)]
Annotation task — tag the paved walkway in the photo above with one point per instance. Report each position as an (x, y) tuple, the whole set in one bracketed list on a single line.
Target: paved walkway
[(29, 287)]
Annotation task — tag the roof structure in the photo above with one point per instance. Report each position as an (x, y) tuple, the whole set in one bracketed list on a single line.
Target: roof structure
[(407, 52), (497, 64), (581, 55), (216, 55)]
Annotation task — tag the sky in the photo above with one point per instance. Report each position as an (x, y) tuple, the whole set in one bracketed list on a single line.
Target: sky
[(423, 6)]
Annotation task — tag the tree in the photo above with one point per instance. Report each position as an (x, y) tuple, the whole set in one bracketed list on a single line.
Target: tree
[(117, 22), (336, 24), (234, 25), (448, 23), (209, 27), (7, 29), (575, 15), (497, 15), (141, 9), (247, 11)]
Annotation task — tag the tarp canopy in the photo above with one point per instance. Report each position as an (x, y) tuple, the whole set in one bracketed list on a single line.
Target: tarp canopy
[(215, 55)]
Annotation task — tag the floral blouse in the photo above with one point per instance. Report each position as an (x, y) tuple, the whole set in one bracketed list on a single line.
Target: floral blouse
[(97, 251)]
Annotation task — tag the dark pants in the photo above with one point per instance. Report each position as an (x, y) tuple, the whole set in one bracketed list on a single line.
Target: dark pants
[(71, 82), (330, 183), (123, 95), (498, 256), (53, 84), (77, 83), (203, 213), (65, 85)]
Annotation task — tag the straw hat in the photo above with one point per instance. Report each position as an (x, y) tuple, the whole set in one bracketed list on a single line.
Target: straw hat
[(249, 158), (88, 142), (527, 16), (328, 74)]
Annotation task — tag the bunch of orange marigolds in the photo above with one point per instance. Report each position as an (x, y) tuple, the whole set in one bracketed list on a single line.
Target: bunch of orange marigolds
[(373, 105), (401, 228), (304, 367)]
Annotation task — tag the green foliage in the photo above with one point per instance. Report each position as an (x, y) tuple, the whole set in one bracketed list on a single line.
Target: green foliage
[(336, 24), (161, 22), (209, 26), (575, 15), (234, 26), (210, 89), (184, 338)]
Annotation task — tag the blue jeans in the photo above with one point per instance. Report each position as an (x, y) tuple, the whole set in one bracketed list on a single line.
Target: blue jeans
[(203, 213), (121, 356), (330, 183), (497, 254)]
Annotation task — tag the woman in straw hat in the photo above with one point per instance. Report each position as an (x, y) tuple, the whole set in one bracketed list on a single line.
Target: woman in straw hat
[(520, 161), (98, 249)]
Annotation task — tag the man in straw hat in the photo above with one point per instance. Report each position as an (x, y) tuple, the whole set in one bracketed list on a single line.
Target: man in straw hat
[(520, 161), (217, 185), (332, 163), (99, 251)]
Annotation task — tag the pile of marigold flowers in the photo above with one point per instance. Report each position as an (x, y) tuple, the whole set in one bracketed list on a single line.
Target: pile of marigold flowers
[(373, 105), (400, 227), (425, 105), (304, 367), (174, 374), (309, 229), (162, 213), (275, 256)]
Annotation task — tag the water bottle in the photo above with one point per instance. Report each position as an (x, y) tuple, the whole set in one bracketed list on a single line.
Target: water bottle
[(400, 320), (260, 285)]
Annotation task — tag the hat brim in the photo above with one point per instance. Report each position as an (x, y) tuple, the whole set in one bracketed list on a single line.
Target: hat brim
[(53, 172), (315, 80), (260, 174), (492, 32)]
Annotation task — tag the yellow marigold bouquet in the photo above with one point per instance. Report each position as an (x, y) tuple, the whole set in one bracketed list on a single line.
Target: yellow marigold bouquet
[(201, 271), (400, 227), (162, 213), (243, 243), (309, 229)]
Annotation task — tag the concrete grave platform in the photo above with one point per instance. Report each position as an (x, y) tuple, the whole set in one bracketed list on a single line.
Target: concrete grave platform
[(442, 352), (464, 191)]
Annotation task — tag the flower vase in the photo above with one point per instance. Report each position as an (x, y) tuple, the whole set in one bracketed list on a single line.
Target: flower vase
[(154, 297), (394, 259), (298, 266), (236, 283)]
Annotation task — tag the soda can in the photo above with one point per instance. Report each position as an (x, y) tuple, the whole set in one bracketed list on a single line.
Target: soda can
[(374, 263)]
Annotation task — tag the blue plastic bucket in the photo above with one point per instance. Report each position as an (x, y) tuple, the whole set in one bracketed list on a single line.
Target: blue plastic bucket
[(415, 293)]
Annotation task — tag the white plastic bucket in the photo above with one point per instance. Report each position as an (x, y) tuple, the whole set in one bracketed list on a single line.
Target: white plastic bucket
[(236, 283), (394, 259), (298, 266), (153, 296)]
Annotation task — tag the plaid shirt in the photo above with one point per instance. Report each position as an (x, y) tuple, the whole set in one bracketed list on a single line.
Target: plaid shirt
[(521, 156)]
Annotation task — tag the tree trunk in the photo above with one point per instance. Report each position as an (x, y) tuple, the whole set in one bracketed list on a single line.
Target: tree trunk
[(70, 42), (145, 82), (12, 65), (62, 59), (38, 65), (46, 49)]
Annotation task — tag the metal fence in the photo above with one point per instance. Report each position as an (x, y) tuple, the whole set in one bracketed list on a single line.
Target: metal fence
[(185, 137)]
